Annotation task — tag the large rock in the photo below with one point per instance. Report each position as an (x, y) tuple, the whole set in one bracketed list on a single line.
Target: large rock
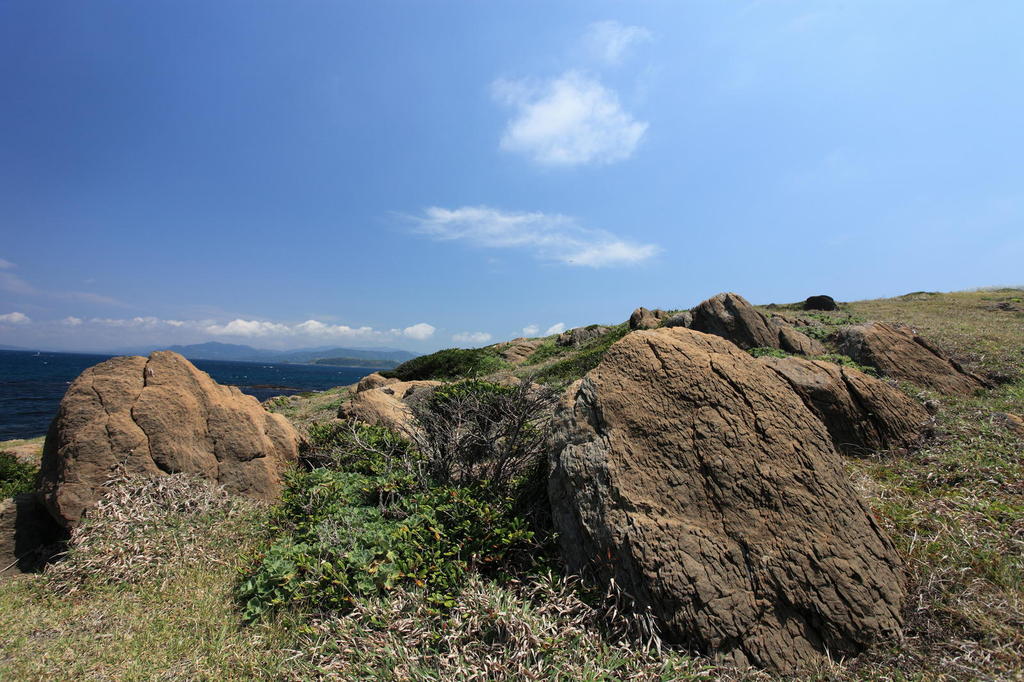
[(642, 318), (861, 413), (681, 319), (374, 380), (155, 416), (692, 475), (389, 405), (732, 317), (574, 338), (902, 354)]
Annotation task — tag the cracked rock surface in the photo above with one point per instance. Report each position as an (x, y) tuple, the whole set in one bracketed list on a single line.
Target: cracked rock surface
[(900, 353), (862, 413), (732, 317), (154, 416), (697, 479)]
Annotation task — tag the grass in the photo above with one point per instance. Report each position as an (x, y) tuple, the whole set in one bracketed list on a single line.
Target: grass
[(305, 409)]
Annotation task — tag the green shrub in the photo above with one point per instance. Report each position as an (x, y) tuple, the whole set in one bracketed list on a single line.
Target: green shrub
[(353, 446), (479, 433), (587, 358), (547, 350), (451, 363), (16, 477), (846, 361), (337, 543)]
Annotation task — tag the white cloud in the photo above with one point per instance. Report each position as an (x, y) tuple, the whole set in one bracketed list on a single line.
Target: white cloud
[(241, 327), (608, 41), (550, 236), (475, 338), (15, 318), (421, 331), (531, 330), (6, 264), (569, 120), (317, 328), (555, 329), (72, 321)]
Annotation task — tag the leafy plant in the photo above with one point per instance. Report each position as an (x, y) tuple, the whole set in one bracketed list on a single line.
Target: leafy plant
[(768, 352), (16, 477)]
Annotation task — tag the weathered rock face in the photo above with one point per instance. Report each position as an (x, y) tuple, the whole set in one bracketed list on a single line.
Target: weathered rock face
[(861, 413), (574, 338), (696, 478), (820, 302), (642, 318), (154, 416), (375, 380), (516, 351), (388, 406), (732, 317), (902, 354), (683, 319), (25, 529)]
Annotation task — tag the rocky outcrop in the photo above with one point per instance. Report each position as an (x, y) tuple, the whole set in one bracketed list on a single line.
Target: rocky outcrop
[(862, 414), (732, 317), (693, 475), (156, 416), (574, 338), (26, 531), (389, 406), (820, 302), (375, 380), (516, 351), (683, 319), (642, 318), (900, 353)]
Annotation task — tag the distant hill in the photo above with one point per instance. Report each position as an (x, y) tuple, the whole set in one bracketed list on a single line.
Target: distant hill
[(353, 357)]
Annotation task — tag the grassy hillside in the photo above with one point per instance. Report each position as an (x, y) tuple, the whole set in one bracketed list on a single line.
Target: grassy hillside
[(955, 509)]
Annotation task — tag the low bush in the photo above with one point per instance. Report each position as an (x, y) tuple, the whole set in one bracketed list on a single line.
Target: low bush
[(448, 364), (16, 477), (588, 357)]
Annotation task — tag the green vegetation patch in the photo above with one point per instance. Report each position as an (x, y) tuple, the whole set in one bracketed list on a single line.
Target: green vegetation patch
[(371, 516), (449, 364), (576, 365), (16, 476)]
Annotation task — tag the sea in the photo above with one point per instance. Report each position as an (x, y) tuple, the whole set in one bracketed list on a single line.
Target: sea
[(32, 384)]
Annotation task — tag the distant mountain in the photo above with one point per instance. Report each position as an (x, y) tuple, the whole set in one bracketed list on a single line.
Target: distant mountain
[(6, 347), (358, 357)]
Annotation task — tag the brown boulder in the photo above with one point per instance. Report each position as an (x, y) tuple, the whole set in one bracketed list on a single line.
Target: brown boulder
[(388, 406), (861, 413), (692, 475), (732, 317), (155, 416), (574, 338), (375, 380), (642, 318), (820, 302), (516, 351), (902, 354), (681, 319)]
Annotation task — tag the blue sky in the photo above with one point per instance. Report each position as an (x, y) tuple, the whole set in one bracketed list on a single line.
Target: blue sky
[(429, 174)]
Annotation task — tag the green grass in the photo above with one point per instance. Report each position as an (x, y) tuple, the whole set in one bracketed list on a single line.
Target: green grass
[(450, 364), (16, 476)]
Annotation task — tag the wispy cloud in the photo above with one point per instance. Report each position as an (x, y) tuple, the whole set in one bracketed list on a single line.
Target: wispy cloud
[(610, 41), (569, 120), (475, 338), (6, 264), (242, 328), (15, 318), (531, 330), (549, 236), (72, 321), (555, 329)]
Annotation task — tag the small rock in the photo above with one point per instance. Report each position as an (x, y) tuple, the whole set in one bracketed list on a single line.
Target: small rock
[(820, 302)]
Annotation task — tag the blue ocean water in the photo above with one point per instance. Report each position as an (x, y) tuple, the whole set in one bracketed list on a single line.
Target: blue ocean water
[(32, 384)]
